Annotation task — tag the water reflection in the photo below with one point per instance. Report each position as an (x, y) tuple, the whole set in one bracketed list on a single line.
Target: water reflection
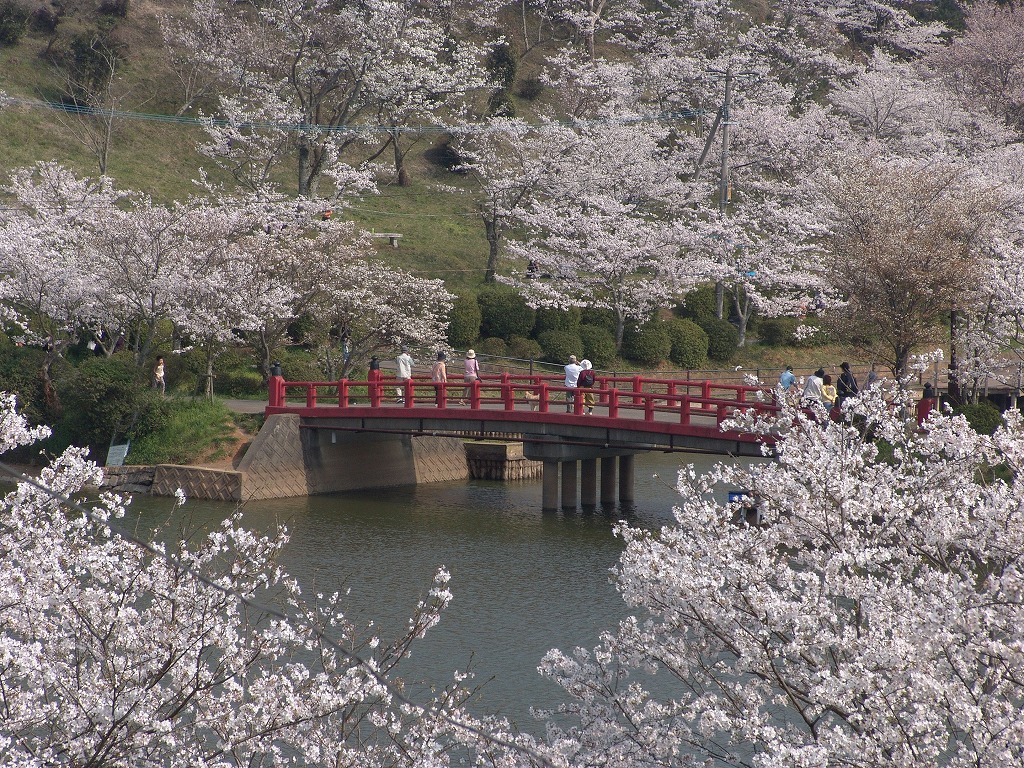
[(524, 581)]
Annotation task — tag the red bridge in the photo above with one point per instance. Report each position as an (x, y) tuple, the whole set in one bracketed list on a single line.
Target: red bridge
[(629, 415)]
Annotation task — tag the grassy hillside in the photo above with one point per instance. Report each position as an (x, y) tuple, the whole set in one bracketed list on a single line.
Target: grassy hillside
[(442, 236)]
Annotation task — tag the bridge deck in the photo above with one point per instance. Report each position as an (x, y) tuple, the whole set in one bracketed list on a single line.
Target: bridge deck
[(637, 413)]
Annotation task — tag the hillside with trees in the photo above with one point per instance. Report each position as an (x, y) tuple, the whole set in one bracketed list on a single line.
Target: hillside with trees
[(607, 157)]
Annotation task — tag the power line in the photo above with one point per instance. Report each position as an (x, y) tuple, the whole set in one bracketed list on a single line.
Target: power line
[(83, 109)]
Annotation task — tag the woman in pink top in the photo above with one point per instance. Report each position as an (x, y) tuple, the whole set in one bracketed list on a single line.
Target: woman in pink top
[(471, 372)]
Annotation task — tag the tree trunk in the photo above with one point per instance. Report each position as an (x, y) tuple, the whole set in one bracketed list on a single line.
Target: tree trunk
[(953, 384), (620, 328), (263, 352), (493, 248), (208, 391), (744, 309), (305, 168), (719, 299), (902, 362), (50, 396), (400, 169)]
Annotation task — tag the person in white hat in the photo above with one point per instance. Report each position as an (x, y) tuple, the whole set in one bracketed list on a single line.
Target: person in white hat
[(585, 382), (470, 373)]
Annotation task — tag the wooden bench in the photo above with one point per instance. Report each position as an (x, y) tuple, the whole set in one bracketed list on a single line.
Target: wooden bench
[(393, 237)]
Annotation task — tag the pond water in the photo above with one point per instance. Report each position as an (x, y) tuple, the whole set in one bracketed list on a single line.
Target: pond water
[(524, 581)]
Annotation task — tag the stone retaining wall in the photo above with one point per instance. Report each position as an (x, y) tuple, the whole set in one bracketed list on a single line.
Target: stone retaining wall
[(287, 460), (128, 479)]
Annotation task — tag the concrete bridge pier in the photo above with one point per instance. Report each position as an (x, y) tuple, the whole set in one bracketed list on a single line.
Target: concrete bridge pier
[(588, 483), (568, 484), (562, 481), (549, 481), (626, 476), (608, 483)]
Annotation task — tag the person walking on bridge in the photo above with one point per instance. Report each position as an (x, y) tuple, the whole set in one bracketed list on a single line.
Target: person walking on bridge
[(470, 373), (403, 372), (439, 375)]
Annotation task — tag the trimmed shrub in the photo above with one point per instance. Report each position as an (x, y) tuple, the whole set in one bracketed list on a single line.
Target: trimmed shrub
[(118, 8), (298, 364), (689, 343), (699, 304), (558, 345), (603, 318), (492, 346), (722, 338), (598, 345), (20, 374), (444, 155), (103, 398), (557, 320), (504, 313), (239, 382), (647, 344), (777, 331), (502, 63), (524, 349), (983, 416), (464, 322)]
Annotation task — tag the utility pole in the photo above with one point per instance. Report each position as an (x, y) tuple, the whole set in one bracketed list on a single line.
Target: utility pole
[(724, 185)]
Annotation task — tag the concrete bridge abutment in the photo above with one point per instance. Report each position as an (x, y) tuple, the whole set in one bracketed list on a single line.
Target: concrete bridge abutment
[(287, 459)]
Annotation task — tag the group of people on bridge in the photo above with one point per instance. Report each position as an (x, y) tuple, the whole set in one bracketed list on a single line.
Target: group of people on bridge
[(819, 391)]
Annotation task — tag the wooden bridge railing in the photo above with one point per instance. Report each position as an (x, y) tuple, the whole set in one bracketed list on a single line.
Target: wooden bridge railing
[(629, 397)]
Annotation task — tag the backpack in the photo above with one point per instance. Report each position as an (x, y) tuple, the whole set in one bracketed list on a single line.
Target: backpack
[(586, 379)]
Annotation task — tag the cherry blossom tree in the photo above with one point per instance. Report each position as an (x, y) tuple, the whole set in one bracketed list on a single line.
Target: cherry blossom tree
[(861, 606), (989, 331), (508, 161), (589, 18), (601, 256), (985, 64), (138, 254), (122, 652), (49, 281), (910, 109), (429, 75), (287, 267), (903, 250), (596, 226), (304, 73), (378, 308)]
